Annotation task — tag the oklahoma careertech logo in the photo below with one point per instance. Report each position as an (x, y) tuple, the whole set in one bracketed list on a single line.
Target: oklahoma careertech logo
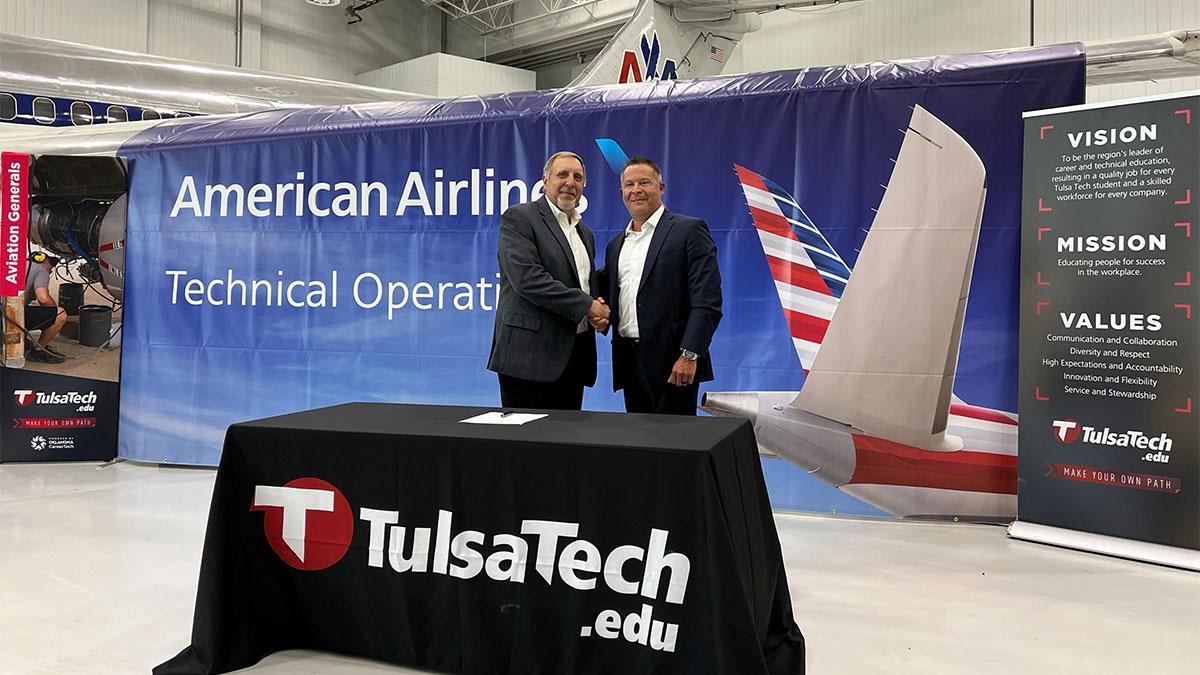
[(308, 522)]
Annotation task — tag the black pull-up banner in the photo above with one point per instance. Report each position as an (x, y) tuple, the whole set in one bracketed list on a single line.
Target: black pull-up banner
[(1110, 312)]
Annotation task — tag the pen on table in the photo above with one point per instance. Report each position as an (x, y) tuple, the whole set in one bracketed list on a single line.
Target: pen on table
[(506, 414)]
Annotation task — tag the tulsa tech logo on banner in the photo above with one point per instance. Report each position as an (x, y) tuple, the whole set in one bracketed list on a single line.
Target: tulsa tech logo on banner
[(309, 524), (1066, 431), (86, 402), (1158, 447)]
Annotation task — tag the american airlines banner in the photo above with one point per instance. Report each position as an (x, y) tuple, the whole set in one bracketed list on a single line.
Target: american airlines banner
[(294, 259)]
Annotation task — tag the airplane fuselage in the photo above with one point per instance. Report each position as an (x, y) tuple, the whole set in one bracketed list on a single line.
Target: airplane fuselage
[(977, 482)]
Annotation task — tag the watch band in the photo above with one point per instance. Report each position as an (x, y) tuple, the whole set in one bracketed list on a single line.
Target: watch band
[(689, 355)]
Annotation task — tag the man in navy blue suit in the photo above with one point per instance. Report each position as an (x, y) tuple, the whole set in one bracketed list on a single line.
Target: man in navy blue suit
[(664, 291)]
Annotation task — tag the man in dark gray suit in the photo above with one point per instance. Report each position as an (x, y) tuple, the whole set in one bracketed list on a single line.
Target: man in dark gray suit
[(543, 344)]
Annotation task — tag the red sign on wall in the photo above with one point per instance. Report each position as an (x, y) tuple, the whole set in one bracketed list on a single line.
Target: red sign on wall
[(14, 167)]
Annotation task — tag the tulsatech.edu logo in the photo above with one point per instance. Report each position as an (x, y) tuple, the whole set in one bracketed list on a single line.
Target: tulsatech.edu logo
[(38, 443), (85, 402), (1158, 447), (309, 524)]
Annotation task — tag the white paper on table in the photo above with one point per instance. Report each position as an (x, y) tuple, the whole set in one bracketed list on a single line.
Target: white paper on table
[(503, 418)]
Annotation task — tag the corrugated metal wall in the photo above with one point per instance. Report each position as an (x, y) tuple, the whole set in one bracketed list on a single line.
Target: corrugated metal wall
[(119, 24), (196, 30), (870, 30), (301, 39), (1068, 20), (286, 36), (448, 75), (294, 37)]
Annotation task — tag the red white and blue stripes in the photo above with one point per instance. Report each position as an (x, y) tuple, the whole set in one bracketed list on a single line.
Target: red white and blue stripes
[(809, 274)]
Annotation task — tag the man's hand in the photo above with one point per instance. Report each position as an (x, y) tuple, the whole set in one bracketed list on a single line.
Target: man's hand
[(598, 314), (683, 373)]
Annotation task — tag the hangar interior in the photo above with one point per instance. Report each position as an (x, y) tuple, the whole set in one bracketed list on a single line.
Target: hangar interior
[(99, 562), (554, 40)]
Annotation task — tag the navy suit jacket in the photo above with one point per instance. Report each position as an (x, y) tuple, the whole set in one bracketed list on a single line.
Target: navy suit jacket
[(541, 298), (679, 298)]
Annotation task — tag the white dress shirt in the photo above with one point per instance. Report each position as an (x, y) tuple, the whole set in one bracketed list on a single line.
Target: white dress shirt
[(579, 252), (629, 271)]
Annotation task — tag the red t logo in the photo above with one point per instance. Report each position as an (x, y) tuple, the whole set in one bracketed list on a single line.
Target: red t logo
[(308, 522), (1066, 431)]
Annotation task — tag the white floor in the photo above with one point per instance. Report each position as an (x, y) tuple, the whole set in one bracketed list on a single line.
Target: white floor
[(98, 571)]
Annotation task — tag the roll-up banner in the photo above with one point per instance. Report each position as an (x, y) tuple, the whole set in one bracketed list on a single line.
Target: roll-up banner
[(64, 229), (14, 221), (1110, 329), (288, 260)]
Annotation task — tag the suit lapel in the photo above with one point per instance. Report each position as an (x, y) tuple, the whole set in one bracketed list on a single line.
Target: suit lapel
[(612, 263), (656, 244), (551, 223), (589, 241)]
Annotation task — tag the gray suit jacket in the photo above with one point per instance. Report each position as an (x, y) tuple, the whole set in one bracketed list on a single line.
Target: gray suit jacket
[(541, 299)]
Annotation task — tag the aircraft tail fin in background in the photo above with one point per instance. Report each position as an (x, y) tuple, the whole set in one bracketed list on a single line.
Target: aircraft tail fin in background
[(809, 274), (890, 353), (669, 42)]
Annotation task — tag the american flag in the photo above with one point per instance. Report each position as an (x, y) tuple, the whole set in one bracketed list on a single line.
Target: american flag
[(716, 54), (809, 274)]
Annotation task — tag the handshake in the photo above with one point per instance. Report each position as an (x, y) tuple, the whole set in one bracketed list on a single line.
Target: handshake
[(598, 315)]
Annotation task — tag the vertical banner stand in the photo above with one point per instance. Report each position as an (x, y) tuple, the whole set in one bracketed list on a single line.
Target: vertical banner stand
[(63, 225), (1109, 441)]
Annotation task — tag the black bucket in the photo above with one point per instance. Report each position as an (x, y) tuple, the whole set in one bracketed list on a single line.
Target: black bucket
[(95, 323), (70, 297)]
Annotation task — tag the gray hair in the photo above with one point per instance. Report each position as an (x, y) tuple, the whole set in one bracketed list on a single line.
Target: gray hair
[(563, 153)]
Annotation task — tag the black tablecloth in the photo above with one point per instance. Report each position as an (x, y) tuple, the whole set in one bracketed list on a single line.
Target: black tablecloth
[(677, 498)]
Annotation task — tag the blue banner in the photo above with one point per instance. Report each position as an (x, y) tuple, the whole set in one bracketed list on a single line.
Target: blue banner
[(287, 260)]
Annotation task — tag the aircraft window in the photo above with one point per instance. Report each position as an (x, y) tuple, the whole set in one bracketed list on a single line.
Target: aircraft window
[(117, 113), (43, 110), (151, 115), (8, 107), (81, 113)]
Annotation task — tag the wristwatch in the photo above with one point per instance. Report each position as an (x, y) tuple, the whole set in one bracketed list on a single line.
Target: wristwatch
[(689, 355)]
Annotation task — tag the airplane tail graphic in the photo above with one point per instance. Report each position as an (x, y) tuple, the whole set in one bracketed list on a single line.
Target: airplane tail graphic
[(809, 274), (614, 155), (877, 416), (892, 350), (669, 40)]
